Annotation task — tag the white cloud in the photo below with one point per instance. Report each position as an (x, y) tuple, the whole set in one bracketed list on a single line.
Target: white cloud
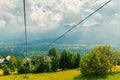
[(2, 23), (116, 19), (89, 10), (8, 4), (45, 20), (72, 6), (44, 15), (70, 25), (49, 14), (98, 17)]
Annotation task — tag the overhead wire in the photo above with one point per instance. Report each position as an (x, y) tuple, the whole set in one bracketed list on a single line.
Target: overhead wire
[(25, 29), (79, 23)]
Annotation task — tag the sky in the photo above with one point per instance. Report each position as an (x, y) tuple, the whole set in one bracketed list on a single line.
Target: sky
[(51, 18)]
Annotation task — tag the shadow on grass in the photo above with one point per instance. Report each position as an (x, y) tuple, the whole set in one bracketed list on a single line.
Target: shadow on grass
[(103, 77), (113, 73), (83, 77)]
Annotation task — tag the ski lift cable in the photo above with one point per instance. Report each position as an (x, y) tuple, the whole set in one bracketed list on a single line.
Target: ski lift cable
[(79, 23), (26, 41)]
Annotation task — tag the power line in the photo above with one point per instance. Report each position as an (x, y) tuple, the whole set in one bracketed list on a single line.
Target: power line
[(79, 23), (26, 42)]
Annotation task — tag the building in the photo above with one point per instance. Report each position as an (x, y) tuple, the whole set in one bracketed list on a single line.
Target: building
[(5, 60)]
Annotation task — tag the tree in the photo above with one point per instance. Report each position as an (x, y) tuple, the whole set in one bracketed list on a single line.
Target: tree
[(0, 56), (70, 60), (53, 52), (40, 67), (110, 53), (55, 63), (23, 70), (63, 60), (47, 63), (77, 60), (12, 63), (12, 67), (44, 65), (1, 65), (6, 70), (95, 64), (19, 62), (54, 56), (13, 59)]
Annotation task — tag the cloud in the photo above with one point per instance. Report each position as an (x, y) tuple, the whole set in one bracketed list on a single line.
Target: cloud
[(48, 14), (45, 20), (51, 16), (12, 13), (2, 23), (116, 19), (7, 5), (70, 25)]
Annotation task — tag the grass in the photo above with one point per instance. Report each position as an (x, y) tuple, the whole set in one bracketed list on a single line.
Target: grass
[(73, 74), (62, 75), (110, 76)]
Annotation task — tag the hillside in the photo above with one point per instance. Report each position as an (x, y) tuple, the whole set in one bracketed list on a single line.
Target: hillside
[(63, 75)]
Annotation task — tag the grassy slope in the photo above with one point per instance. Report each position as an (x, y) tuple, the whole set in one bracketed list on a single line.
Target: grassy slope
[(63, 75)]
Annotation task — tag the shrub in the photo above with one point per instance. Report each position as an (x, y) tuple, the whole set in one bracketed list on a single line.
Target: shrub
[(40, 67), (94, 64), (23, 70), (6, 70), (1, 65), (11, 66)]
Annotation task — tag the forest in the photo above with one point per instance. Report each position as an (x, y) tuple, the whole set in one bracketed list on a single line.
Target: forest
[(98, 62)]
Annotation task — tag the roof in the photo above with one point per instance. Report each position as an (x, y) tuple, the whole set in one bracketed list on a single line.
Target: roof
[(2, 60), (8, 58)]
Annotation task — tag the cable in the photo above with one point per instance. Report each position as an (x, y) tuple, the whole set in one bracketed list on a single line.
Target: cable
[(79, 23), (26, 42)]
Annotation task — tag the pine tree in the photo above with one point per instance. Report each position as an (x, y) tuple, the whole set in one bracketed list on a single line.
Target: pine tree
[(77, 60), (54, 63), (52, 52), (54, 56), (63, 60)]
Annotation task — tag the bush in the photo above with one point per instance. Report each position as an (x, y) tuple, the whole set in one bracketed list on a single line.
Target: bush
[(6, 70), (40, 67), (1, 65), (44, 65), (94, 64), (19, 62), (23, 70), (12, 67)]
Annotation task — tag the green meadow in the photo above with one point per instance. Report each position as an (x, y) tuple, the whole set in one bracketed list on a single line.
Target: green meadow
[(73, 74)]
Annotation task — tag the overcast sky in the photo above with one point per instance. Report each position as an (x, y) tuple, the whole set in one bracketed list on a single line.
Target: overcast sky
[(51, 18)]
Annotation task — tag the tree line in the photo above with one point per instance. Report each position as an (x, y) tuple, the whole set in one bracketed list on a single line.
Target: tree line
[(54, 61), (99, 61)]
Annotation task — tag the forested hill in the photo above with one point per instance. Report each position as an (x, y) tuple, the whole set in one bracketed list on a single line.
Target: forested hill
[(40, 48), (37, 48)]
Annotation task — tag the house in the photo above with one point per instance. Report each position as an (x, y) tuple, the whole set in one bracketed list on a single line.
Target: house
[(2, 60), (5, 60)]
